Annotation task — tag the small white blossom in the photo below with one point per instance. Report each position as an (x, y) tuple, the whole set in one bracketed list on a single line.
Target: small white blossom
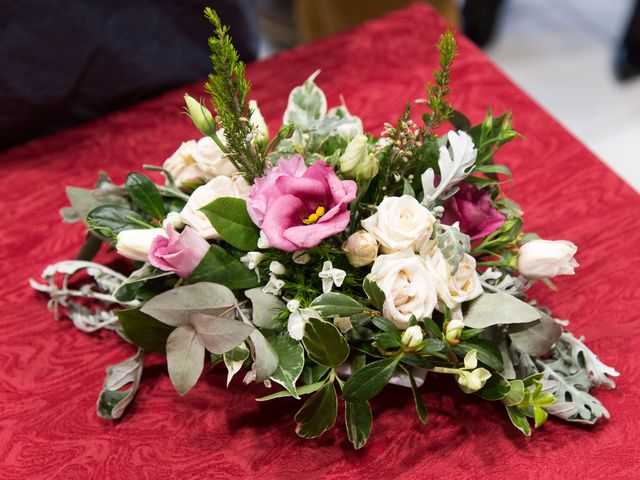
[(263, 243), (301, 257), (277, 268), (331, 276), (174, 219), (293, 305), (252, 259), (273, 286), (298, 319)]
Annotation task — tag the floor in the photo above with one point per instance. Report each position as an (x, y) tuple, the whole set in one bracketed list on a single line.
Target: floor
[(561, 52)]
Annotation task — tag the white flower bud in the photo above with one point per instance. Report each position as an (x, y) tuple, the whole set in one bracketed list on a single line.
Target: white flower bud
[(252, 259), (135, 244), (174, 219), (356, 162), (277, 268), (547, 258), (200, 115), (412, 336), (361, 248), (453, 331)]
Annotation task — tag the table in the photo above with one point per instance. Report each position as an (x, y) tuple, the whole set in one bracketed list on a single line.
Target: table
[(51, 373)]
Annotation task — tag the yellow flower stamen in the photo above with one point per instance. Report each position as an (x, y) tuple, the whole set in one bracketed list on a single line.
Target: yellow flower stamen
[(314, 217)]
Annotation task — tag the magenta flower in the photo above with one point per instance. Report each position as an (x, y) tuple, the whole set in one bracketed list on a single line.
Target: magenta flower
[(301, 211), (262, 188), (180, 253), (472, 208)]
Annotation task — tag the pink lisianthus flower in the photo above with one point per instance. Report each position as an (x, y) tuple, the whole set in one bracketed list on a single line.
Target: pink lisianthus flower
[(301, 211), (472, 208), (260, 192), (180, 252)]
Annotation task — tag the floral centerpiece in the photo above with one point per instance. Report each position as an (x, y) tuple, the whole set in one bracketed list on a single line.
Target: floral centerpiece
[(325, 260)]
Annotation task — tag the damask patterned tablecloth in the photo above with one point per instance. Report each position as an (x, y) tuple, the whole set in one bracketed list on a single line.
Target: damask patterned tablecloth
[(50, 373)]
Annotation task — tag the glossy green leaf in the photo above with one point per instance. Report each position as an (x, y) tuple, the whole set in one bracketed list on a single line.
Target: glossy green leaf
[(145, 194), (143, 330), (115, 219), (333, 303), (515, 394), (487, 354), (421, 408), (127, 290), (219, 266), (230, 219), (373, 291), (318, 414), (539, 416), (368, 381), (324, 343), (358, 421), (290, 360), (302, 390), (496, 388), (519, 420)]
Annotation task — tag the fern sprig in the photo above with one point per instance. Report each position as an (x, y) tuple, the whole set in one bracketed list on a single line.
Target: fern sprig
[(229, 89)]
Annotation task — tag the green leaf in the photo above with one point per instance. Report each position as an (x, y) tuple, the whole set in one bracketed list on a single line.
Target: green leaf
[(173, 307), (488, 353), (407, 189), (234, 360), (496, 388), (374, 293), (358, 420), (453, 244), (368, 381), (312, 372), (115, 219), (84, 201), (230, 219), (219, 334), (515, 394), (432, 327), (421, 408), (143, 330), (459, 121), (307, 104), (127, 290), (90, 247), (539, 416), (318, 414), (303, 390), (291, 360), (219, 266), (519, 420), (324, 343), (185, 358), (499, 309), (385, 325), (145, 194), (417, 361), (333, 303), (492, 168)]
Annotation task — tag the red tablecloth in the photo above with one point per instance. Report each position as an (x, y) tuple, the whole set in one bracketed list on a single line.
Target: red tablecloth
[(50, 373)]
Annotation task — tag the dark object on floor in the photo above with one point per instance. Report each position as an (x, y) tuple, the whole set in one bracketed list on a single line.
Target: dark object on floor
[(627, 62), (66, 62), (479, 18)]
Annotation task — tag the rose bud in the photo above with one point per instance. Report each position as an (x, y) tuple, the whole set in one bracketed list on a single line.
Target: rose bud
[(361, 248), (547, 258), (200, 115), (412, 336), (356, 162), (453, 331), (180, 252), (135, 244)]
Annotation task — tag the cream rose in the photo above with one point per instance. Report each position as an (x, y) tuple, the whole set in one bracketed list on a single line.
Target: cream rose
[(400, 223), (547, 259), (361, 248), (218, 187), (135, 244), (409, 287), (460, 287)]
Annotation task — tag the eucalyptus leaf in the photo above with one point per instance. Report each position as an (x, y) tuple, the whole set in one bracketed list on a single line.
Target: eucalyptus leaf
[(83, 200), (265, 308), (127, 290), (290, 360), (143, 330), (185, 358), (535, 338), (324, 343), (173, 306), (358, 420), (265, 356), (145, 194), (333, 303), (369, 380), (219, 266), (230, 219), (318, 414), (114, 397), (499, 309), (219, 334)]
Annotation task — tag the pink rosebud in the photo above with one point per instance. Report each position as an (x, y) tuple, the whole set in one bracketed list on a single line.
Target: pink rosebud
[(472, 208), (180, 252), (301, 211)]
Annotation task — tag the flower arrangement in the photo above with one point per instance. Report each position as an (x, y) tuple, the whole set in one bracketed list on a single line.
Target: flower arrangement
[(325, 260)]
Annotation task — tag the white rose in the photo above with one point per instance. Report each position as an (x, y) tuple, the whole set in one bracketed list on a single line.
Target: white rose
[(361, 248), (460, 287), (210, 159), (218, 187), (547, 258), (135, 244), (183, 167), (409, 287), (400, 223)]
